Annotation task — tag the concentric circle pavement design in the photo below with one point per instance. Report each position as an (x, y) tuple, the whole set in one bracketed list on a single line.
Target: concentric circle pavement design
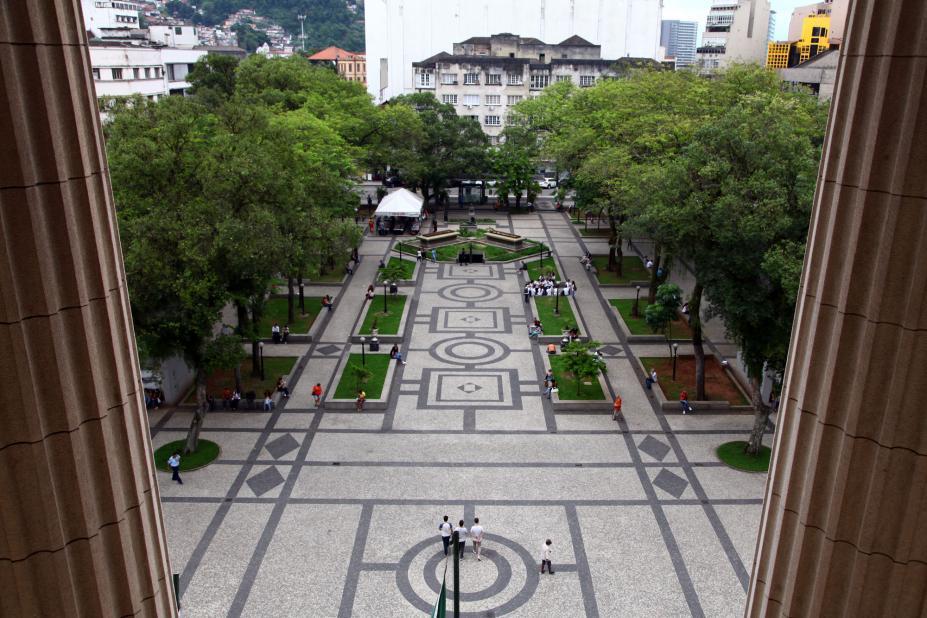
[(469, 350), (503, 581), (470, 292)]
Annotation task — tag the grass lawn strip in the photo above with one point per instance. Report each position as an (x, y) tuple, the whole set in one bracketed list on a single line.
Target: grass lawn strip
[(276, 310), (387, 323), (535, 270), (632, 270), (732, 453), (638, 326), (567, 385), (274, 367), (555, 324), (206, 452), (408, 266), (718, 385), (378, 364)]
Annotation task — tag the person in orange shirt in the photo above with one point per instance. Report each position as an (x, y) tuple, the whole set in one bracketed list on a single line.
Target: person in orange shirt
[(616, 408), (317, 394)]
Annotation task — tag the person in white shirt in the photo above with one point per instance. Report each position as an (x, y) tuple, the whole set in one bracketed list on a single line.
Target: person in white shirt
[(173, 463), (476, 535), (461, 538), (545, 557), (445, 528)]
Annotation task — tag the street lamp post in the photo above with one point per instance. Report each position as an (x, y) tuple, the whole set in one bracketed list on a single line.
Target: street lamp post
[(261, 347), (363, 353), (634, 309), (557, 300), (675, 355)]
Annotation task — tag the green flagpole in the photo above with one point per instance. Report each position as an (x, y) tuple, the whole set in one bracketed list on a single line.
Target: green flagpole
[(440, 608)]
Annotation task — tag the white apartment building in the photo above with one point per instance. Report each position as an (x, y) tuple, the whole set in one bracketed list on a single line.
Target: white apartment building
[(122, 69), (182, 36), (735, 31), (401, 32), (110, 18), (487, 75)]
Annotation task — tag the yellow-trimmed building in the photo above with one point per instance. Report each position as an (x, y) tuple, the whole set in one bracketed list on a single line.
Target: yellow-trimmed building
[(815, 39)]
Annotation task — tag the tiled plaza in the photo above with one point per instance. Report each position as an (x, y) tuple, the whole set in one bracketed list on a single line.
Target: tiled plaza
[(335, 513)]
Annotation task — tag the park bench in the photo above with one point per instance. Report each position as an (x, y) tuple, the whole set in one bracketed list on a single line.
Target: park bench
[(436, 236), (506, 237)]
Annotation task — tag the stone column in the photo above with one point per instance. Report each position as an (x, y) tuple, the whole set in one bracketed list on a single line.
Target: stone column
[(843, 528), (81, 532)]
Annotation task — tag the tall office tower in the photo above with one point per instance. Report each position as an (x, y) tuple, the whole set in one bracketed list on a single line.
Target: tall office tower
[(735, 31), (679, 39), (401, 32)]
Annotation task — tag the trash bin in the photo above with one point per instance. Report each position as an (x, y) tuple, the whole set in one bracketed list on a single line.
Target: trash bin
[(374, 345)]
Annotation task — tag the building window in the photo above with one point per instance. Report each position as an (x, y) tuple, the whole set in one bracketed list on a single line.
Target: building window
[(492, 121), (136, 73), (512, 99), (471, 79), (449, 79), (96, 73), (147, 72), (472, 99), (587, 80), (494, 79), (178, 30), (564, 78), (424, 80), (515, 79), (117, 73), (450, 99), (493, 99), (539, 82)]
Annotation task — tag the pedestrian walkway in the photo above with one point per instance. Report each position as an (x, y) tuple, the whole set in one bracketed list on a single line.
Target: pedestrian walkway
[(334, 513)]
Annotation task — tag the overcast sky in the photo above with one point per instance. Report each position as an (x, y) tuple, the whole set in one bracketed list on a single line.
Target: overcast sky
[(696, 10)]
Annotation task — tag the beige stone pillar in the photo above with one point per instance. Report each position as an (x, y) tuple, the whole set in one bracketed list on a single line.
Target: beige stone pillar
[(80, 522), (844, 529)]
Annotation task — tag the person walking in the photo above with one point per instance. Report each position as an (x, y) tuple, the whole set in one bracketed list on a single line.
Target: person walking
[(549, 383), (317, 394), (616, 408), (546, 553), (527, 291), (650, 380), (684, 402), (434, 254), (361, 398), (445, 529), (462, 534), (268, 402), (174, 463), (418, 255), (476, 535)]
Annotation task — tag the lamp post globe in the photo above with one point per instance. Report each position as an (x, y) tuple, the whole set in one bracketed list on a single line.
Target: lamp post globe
[(675, 355), (363, 341)]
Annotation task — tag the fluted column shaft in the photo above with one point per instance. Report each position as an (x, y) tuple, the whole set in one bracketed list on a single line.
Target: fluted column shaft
[(81, 532), (846, 503)]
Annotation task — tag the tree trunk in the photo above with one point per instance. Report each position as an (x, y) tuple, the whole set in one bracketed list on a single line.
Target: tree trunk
[(302, 297), (612, 240), (255, 342), (695, 323), (619, 257), (652, 292), (425, 195), (196, 423), (760, 420), (518, 200), (290, 301)]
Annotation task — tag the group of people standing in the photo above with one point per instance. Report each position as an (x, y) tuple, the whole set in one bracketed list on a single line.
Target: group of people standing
[(279, 335), (547, 285)]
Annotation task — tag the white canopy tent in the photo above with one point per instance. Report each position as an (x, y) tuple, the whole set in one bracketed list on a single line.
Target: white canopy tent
[(400, 203)]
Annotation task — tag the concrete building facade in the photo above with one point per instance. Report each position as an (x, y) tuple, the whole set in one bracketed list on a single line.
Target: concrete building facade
[(735, 31), (679, 39), (110, 18), (401, 32), (485, 76)]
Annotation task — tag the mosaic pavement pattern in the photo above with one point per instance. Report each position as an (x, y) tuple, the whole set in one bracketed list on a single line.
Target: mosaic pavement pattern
[(333, 513)]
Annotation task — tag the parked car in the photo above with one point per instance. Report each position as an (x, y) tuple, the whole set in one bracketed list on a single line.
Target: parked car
[(551, 182)]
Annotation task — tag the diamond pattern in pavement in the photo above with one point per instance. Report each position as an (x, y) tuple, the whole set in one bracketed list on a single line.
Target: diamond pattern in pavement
[(328, 349), (262, 482), (653, 447), (278, 447), (671, 483)]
